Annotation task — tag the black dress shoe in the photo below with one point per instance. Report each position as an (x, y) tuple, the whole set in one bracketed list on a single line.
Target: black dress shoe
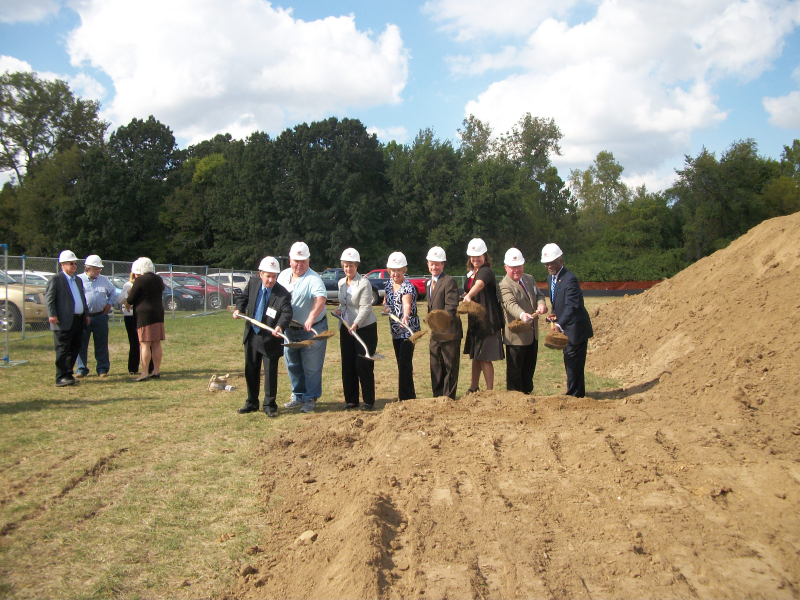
[(247, 409), (271, 412), (367, 406), (64, 381), (350, 406)]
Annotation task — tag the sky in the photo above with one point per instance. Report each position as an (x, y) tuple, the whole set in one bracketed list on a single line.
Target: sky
[(649, 80)]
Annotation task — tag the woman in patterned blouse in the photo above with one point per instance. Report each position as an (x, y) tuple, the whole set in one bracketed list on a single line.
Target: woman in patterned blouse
[(401, 301)]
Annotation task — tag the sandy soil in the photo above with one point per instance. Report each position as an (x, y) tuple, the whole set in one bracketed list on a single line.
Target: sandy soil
[(685, 483)]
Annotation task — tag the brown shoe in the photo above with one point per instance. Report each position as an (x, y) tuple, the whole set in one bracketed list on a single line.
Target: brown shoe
[(79, 375), (101, 375)]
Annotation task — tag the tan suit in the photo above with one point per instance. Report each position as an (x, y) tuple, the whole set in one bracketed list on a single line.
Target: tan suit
[(521, 347), (445, 347)]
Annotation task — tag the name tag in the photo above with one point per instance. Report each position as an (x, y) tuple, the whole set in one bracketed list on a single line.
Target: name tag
[(101, 290), (271, 313)]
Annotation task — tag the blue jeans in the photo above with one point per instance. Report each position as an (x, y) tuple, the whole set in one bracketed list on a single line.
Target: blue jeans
[(305, 364), (98, 326)]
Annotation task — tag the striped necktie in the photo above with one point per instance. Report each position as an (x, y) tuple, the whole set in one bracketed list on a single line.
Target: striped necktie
[(552, 287)]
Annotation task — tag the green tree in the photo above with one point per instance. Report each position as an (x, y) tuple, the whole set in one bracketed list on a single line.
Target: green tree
[(782, 194), (39, 118)]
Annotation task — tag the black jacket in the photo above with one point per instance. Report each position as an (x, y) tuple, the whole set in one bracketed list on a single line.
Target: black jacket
[(280, 300), (568, 307), (60, 303)]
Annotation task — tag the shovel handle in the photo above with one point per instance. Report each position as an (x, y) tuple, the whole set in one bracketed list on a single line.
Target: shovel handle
[(301, 325), (260, 324), (353, 333), (393, 318)]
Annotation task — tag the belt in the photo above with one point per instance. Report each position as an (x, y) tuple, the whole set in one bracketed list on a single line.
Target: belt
[(96, 313), (298, 327)]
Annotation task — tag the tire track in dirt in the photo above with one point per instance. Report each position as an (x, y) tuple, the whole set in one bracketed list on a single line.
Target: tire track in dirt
[(102, 465)]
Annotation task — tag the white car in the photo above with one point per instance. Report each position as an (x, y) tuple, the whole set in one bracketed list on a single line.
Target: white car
[(235, 280), (31, 277)]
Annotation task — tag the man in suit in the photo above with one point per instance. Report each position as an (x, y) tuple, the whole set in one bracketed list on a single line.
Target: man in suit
[(445, 347), (68, 316), (270, 303), (521, 300), (570, 316)]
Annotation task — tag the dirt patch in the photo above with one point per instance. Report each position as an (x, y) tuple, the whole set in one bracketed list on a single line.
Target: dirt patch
[(684, 483)]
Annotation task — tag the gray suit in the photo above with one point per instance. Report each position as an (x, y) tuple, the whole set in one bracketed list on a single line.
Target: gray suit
[(68, 332)]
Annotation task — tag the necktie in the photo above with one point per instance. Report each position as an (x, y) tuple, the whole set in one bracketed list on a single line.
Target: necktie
[(259, 312), (522, 283), (433, 285), (552, 288)]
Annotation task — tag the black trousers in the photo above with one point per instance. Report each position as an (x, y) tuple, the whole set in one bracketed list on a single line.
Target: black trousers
[(255, 356), (356, 368), (445, 357), (404, 353), (574, 363), (520, 367), (68, 345), (133, 340)]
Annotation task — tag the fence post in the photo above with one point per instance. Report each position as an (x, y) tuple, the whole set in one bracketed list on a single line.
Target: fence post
[(22, 328), (172, 291), (6, 358), (205, 294)]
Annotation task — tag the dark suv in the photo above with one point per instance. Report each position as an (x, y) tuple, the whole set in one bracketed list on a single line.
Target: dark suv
[(216, 295)]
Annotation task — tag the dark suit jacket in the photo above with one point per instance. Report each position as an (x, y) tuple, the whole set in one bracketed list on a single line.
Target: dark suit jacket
[(280, 300), (445, 297), (60, 303), (568, 307)]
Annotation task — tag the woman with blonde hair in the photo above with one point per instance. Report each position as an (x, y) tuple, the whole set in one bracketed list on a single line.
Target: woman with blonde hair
[(355, 307), (401, 301), (146, 298)]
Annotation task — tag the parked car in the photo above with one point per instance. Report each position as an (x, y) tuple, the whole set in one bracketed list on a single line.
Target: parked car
[(180, 298), (236, 280), (216, 295), (30, 303), (331, 277), (379, 277), (31, 277)]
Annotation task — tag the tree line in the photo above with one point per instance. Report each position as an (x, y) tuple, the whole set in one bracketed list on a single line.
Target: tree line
[(227, 202)]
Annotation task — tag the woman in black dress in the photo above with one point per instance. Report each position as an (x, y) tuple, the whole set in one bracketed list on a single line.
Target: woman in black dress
[(484, 341), (146, 298)]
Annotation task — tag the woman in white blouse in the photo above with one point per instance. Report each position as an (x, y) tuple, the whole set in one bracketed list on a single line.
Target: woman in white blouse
[(355, 307)]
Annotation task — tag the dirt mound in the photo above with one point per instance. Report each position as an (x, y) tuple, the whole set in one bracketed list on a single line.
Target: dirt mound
[(721, 336), (683, 484)]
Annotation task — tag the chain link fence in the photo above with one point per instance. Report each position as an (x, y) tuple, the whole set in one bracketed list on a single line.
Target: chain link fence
[(189, 291)]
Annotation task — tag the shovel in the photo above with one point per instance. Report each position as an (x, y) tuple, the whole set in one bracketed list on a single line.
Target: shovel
[(415, 336), (328, 333), (375, 356), (288, 344)]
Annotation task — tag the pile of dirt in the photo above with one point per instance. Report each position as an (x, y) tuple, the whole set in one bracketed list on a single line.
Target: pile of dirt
[(721, 337), (685, 483)]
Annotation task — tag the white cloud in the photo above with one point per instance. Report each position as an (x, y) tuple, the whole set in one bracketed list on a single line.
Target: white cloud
[(784, 111), (208, 66), (636, 78), (13, 65), (469, 19), (12, 11), (398, 134)]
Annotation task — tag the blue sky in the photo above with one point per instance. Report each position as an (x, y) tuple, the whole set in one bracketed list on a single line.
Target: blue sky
[(648, 81)]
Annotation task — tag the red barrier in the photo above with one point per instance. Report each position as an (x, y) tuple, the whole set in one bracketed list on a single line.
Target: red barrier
[(611, 285)]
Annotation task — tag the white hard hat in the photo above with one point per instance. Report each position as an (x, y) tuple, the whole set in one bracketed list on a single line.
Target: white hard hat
[(136, 267), (476, 247), (93, 261), (551, 252), (67, 256), (514, 258), (299, 251), (396, 260), (351, 255), (269, 265), (436, 254)]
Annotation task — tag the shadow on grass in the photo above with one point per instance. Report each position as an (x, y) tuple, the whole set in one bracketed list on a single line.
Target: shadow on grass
[(620, 393), (13, 408)]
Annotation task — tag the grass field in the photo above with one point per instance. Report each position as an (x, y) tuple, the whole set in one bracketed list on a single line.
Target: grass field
[(116, 489)]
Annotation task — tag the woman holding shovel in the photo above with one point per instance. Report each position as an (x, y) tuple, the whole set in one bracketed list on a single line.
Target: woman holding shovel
[(401, 301), (355, 310), (484, 342)]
